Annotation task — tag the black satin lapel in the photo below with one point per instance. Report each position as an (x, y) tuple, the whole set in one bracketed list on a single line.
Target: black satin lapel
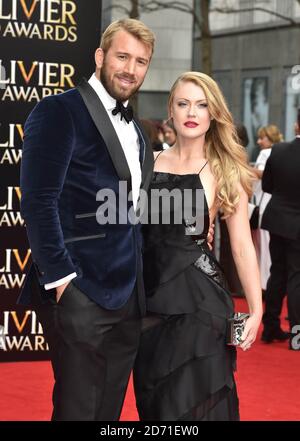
[(106, 129), (148, 163)]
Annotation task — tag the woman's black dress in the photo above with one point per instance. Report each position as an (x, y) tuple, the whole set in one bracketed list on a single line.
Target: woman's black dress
[(184, 369)]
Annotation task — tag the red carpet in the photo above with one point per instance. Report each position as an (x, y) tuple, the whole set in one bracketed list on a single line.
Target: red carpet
[(268, 383)]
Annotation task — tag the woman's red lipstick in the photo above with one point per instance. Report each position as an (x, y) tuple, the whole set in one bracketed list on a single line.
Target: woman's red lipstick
[(191, 124)]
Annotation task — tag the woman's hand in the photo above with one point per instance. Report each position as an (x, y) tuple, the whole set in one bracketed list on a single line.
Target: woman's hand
[(250, 331)]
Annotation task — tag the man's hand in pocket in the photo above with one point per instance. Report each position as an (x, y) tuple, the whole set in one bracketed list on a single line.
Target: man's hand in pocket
[(60, 290)]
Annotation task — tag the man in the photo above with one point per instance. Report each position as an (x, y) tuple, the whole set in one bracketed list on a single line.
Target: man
[(282, 219), (87, 288)]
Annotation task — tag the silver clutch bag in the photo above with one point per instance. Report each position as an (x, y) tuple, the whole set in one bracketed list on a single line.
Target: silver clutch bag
[(235, 328)]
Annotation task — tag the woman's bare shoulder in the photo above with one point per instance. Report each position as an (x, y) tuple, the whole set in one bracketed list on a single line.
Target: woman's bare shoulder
[(155, 154)]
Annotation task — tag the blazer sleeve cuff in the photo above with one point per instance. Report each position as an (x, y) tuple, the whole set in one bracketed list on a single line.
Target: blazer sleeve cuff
[(60, 282), (47, 273)]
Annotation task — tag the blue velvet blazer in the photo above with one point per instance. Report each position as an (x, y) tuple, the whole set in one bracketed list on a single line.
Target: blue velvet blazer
[(70, 152)]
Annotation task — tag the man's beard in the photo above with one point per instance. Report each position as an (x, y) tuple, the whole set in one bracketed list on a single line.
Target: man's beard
[(115, 92)]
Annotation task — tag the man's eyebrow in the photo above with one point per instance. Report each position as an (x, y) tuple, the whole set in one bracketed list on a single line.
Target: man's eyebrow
[(143, 59), (146, 60), (127, 53)]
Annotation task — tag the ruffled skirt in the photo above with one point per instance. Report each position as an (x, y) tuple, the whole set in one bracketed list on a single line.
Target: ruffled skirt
[(184, 369)]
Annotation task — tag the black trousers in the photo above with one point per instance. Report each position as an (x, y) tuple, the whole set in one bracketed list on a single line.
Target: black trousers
[(92, 352), (284, 278)]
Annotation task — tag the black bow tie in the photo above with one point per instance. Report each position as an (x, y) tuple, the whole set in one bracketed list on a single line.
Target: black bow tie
[(126, 112)]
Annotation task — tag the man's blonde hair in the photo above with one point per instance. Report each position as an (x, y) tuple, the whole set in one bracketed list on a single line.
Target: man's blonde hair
[(134, 27)]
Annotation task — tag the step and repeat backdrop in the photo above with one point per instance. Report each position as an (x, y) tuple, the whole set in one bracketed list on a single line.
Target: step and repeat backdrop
[(46, 47)]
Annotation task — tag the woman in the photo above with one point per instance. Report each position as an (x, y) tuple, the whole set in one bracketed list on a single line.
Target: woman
[(267, 136), (184, 369)]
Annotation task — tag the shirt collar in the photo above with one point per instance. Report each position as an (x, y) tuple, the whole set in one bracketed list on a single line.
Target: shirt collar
[(108, 101)]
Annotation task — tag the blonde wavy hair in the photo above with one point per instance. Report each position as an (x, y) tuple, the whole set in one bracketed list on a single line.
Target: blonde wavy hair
[(227, 157), (272, 132)]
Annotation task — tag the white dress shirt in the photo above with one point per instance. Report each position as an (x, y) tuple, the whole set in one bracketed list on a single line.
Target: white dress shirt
[(128, 138), (261, 198)]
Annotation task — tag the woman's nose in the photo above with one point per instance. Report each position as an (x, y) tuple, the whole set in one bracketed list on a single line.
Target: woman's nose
[(192, 111)]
